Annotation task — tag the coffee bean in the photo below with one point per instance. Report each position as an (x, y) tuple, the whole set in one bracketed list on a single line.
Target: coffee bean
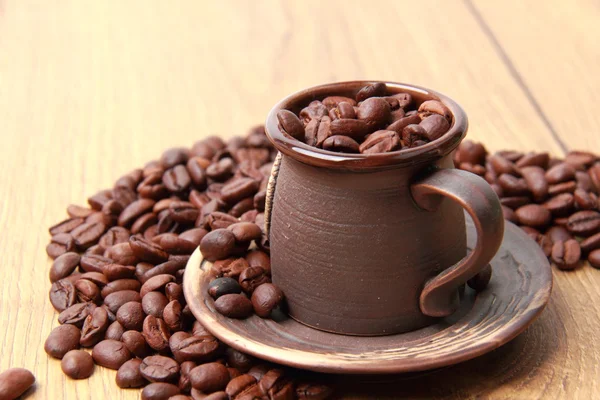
[(221, 170), (87, 291), (585, 200), (353, 128), (114, 235), (115, 300), (210, 377), (375, 112), (222, 286), (197, 348), (61, 340), (561, 204), (76, 314), (435, 126), (77, 364), (584, 223), (311, 391), (131, 316), (314, 110), (343, 109), (150, 188), (14, 382), (184, 379), (513, 186), (172, 316), (62, 295), (63, 266), (234, 306), (558, 233), (159, 369), (60, 244), (219, 220), (144, 222), (173, 157), (97, 201), (533, 160), (265, 299), (239, 189), (594, 258), (218, 244), (566, 255), (317, 131), (536, 182), (245, 231), (147, 251), (159, 391), (94, 263), (156, 283), (339, 143), (134, 211), (154, 304), (290, 124), (115, 272), (560, 173), (66, 226), (380, 142), (114, 331), (129, 374), (176, 179), (110, 354), (194, 235), (156, 333), (276, 385), (565, 187), (120, 284), (253, 277), (183, 212), (122, 253), (94, 327)]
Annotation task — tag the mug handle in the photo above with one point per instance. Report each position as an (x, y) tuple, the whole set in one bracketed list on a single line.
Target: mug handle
[(439, 297)]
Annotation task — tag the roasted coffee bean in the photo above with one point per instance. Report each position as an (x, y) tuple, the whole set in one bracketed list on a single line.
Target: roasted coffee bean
[(315, 110), (375, 112), (534, 215), (258, 258), (63, 266), (62, 295), (584, 182), (265, 299), (218, 244), (152, 187), (194, 235), (94, 263), (196, 167), (156, 283), (76, 314), (276, 385), (77, 364), (115, 272), (176, 245), (183, 212), (95, 250), (253, 277), (533, 160), (131, 316), (565, 187), (97, 201), (234, 306), (375, 89), (134, 211), (143, 223), (115, 300), (154, 304), (122, 253), (94, 327), (566, 255), (585, 200), (353, 128), (61, 340), (561, 204), (136, 344), (120, 284), (311, 391), (558, 233), (156, 333), (430, 107), (210, 377), (219, 220), (480, 281), (594, 258), (87, 291), (147, 251), (114, 235), (245, 231), (536, 182), (14, 382), (159, 391), (343, 109), (242, 387), (435, 126), (184, 379), (129, 374), (339, 143), (173, 157), (290, 124), (172, 316), (110, 354), (513, 186), (66, 226), (197, 348), (60, 244), (222, 286), (258, 371), (584, 223), (560, 173), (242, 206), (114, 331), (159, 369), (221, 170), (176, 179), (380, 142)]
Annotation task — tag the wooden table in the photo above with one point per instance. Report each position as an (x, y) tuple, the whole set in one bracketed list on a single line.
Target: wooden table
[(92, 89)]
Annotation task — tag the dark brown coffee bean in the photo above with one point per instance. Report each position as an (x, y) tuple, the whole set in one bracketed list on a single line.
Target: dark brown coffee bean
[(474, 169), (430, 107), (114, 235), (218, 244), (174, 244), (312, 391), (317, 131), (156, 333), (585, 200), (76, 314), (152, 187), (100, 217), (66, 226), (511, 155), (94, 327), (584, 223), (513, 186), (591, 243), (238, 360), (536, 182), (61, 340), (534, 215), (242, 387), (534, 160), (134, 211), (112, 208), (96, 277), (239, 189), (176, 179), (435, 126), (210, 377), (502, 166), (159, 369), (222, 286), (342, 144), (565, 187), (248, 204), (561, 204), (381, 142), (221, 170), (131, 316), (129, 374), (584, 182), (14, 382), (594, 174), (95, 250), (87, 291), (115, 272), (60, 244), (375, 112), (343, 110), (253, 277), (183, 212), (94, 263), (110, 354), (560, 173), (354, 128), (334, 101), (265, 299), (196, 167), (234, 306), (154, 304), (197, 348), (314, 110), (471, 152), (76, 211), (169, 267), (115, 300), (172, 316), (194, 235), (245, 231), (276, 385), (156, 283), (173, 157), (159, 391), (136, 343), (122, 253), (114, 331), (97, 201), (184, 379), (147, 251), (120, 284), (580, 159), (375, 89), (63, 266), (558, 233), (219, 220), (566, 255), (594, 258), (62, 295), (144, 222), (77, 364), (290, 124)]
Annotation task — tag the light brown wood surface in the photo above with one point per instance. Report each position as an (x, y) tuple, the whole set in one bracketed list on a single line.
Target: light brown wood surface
[(92, 89)]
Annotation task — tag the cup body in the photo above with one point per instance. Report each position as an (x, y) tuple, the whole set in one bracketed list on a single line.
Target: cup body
[(349, 247)]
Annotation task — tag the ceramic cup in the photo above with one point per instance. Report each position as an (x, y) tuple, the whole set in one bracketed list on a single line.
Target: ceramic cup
[(376, 244)]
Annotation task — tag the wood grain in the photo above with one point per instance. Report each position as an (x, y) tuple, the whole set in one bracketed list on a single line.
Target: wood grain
[(90, 90)]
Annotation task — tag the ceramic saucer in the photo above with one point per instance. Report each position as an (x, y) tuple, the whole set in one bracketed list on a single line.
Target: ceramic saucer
[(518, 291)]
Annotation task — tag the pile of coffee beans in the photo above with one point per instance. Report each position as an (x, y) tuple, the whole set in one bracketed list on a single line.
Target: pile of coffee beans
[(374, 121), (118, 269), (554, 200), (14, 382)]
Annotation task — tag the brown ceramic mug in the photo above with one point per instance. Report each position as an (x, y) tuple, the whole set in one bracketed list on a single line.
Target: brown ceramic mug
[(376, 244)]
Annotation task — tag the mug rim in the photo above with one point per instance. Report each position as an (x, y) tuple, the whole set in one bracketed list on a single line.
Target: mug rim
[(315, 156)]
